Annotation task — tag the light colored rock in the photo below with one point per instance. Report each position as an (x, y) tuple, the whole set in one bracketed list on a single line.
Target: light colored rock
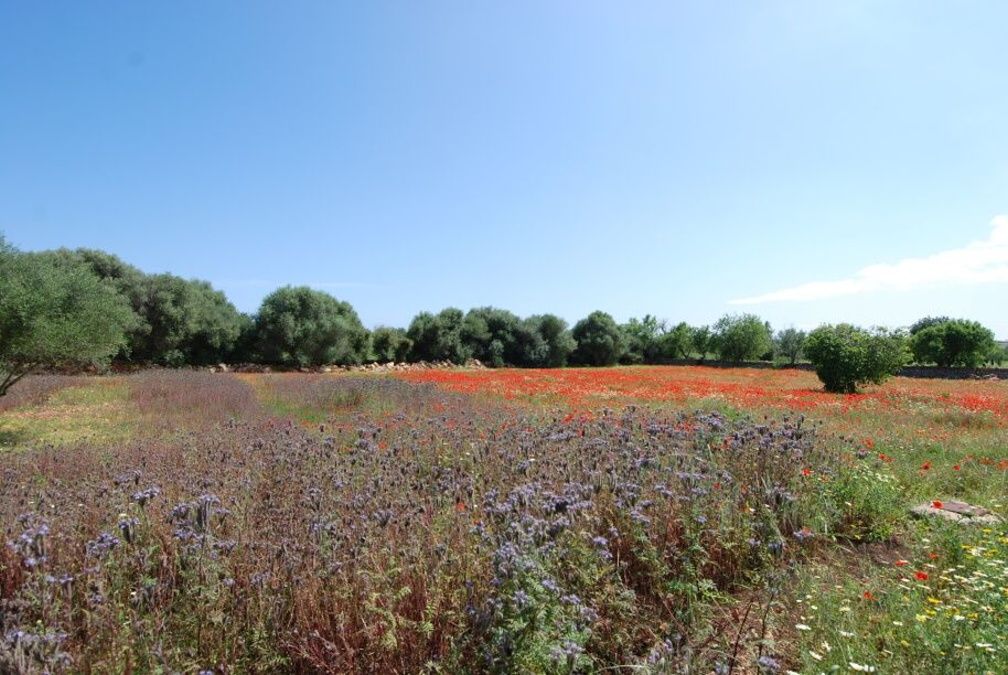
[(958, 512)]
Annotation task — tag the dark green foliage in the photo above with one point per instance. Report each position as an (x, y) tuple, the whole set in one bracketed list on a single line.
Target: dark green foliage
[(788, 344), (179, 321), (678, 342), (299, 326), (846, 357), (741, 337), (390, 344), (559, 341), (703, 341), (643, 339), (438, 337), (997, 355), (55, 314), (927, 322), (600, 342), (498, 337), (952, 342), (184, 322), (246, 346), (495, 336)]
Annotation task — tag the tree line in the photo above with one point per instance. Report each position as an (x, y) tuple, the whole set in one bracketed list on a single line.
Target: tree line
[(85, 307)]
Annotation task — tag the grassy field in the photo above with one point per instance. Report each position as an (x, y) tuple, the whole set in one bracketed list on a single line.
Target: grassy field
[(657, 519)]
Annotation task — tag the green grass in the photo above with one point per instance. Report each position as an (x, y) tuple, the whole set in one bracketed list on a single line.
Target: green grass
[(313, 408), (98, 413), (941, 609)]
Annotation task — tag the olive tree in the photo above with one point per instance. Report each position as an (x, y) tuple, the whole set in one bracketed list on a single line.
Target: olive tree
[(55, 315), (498, 337), (600, 342), (390, 344), (789, 343), (557, 338), (183, 322), (643, 339), (299, 326), (178, 321), (703, 341), (741, 337), (678, 342), (438, 337), (952, 342)]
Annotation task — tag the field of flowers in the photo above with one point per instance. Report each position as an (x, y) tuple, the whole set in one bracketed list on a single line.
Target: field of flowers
[(655, 519)]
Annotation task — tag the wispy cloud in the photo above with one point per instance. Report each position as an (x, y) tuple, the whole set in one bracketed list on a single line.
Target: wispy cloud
[(980, 262)]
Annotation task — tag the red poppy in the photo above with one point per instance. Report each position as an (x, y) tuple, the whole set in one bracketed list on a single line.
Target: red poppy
[(926, 466), (901, 563), (956, 467), (921, 576), (868, 595), (936, 504), (806, 472)]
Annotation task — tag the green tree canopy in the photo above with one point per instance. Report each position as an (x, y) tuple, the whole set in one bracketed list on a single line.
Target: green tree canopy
[(299, 326), (678, 342), (184, 322), (438, 337), (179, 321), (846, 357), (55, 314), (703, 341), (498, 337), (643, 339), (558, 340), (390, 344), (600, 342), (788, 344), (927, 322), (741, 337), (952, 342)]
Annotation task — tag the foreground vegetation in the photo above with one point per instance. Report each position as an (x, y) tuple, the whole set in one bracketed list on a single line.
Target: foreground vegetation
[(500, 521)]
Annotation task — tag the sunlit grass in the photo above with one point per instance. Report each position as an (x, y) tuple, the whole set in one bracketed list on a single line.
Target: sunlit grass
[(917, 441), (844, 604), (99, 412)]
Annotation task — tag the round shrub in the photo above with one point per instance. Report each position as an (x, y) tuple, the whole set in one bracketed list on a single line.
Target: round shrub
[(299, 326), (600, 342), (846, 357)]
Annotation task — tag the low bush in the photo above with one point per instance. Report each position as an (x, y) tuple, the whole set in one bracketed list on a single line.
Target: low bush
[(846, 357)]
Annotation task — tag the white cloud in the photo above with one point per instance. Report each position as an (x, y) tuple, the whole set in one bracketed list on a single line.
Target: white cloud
[(980, 262)]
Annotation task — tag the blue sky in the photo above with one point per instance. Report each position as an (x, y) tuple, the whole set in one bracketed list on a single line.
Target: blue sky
[(817, 161)]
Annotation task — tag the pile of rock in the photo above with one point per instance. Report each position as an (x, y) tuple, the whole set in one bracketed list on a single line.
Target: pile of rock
[(390, 367), (957, 512)]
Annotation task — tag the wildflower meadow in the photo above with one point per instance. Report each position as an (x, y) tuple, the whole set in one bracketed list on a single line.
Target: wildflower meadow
[(659, 519)]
